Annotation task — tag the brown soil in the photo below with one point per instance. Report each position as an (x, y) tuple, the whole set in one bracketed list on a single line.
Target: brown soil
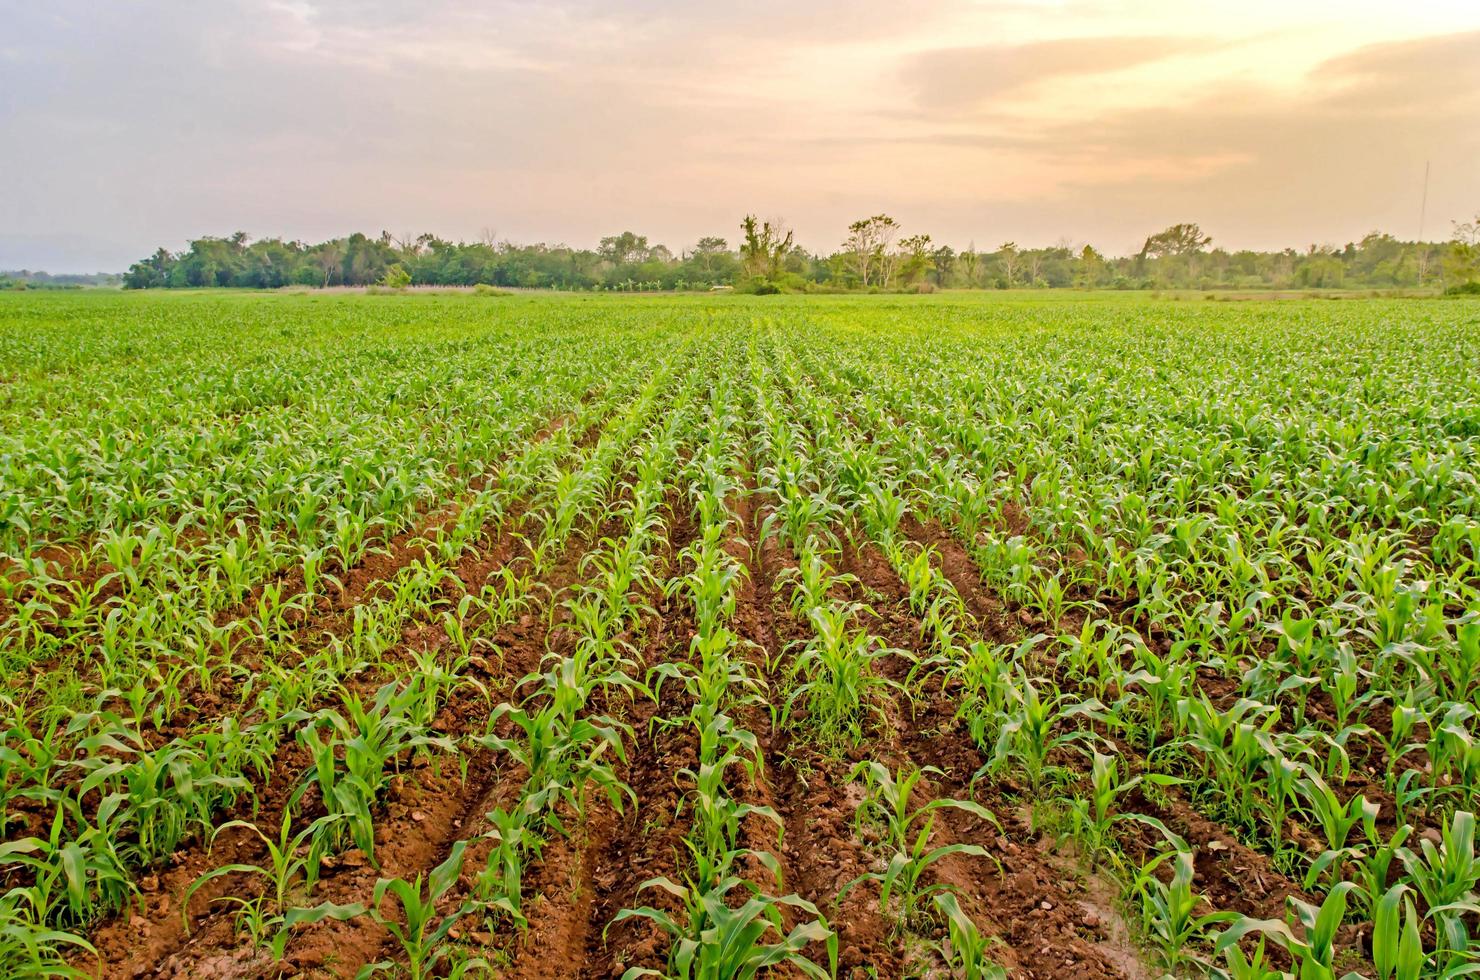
[(820, 854), (1054, 915), (427, 809), (1227, 874), (1054, 923)]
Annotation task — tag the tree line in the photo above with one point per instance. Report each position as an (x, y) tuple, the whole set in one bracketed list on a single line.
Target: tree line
[(30, 279), (875, 255)]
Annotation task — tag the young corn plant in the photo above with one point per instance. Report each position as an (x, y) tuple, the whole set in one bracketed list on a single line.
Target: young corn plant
[(1336, 819), (167, 792), (1313, 948), (1454, 752), (30, 948), (832, 677), (345, 793), (294, 861), (906, 831), (984, 672), (1162, 682), (718, 816), (562, 759), (1034, 727), (77, 875), (1092, 658), (812, 579), (716, 937), (1238, 965), (499, 886), (1397, 943), (1169, 909), (26, 761), (965, 949), (1447, 876), (1369, 864), (1093, 817), (420, 929)]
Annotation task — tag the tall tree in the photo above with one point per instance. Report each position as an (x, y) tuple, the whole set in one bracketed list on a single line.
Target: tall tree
[(764, 247), (970, 259), (1008, 256), (870, 242), (1179, 239), (1091, 266), (150, 273), (1462, 257), (1182, 243), (706, 250), (624, 248), (942, 262), (329, 257), (915, 251)]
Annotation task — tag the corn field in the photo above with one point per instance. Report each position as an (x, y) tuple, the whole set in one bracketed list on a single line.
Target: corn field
[(539, 637)]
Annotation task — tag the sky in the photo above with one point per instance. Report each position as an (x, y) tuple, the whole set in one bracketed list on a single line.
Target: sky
[(131, 124)]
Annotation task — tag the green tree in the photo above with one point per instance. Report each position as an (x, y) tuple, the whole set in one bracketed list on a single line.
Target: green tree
[(915, 251), (707, 250), (763, 249), (1178, 249), (1007, 257), (396, 277), (1091, 271), (625, 248), (942, 264), (328, 259), (1462, 257), (1322, 268), (969, 260), (150, 273), (870, 243), (710, 262), (1180, 239)]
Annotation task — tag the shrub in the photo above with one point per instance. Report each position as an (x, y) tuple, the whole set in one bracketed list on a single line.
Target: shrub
[(396, 277)]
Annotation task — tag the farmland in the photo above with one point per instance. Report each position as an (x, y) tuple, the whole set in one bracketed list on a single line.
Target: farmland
[(540, 636)]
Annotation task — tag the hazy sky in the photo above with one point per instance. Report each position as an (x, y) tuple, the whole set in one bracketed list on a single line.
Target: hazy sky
[(128, 124)]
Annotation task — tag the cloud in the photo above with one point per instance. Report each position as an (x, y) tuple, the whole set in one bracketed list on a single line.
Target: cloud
[(150, 123), (1337, 155), (953, 78), (1415, 77), (1348, 110), (1339, 151)]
